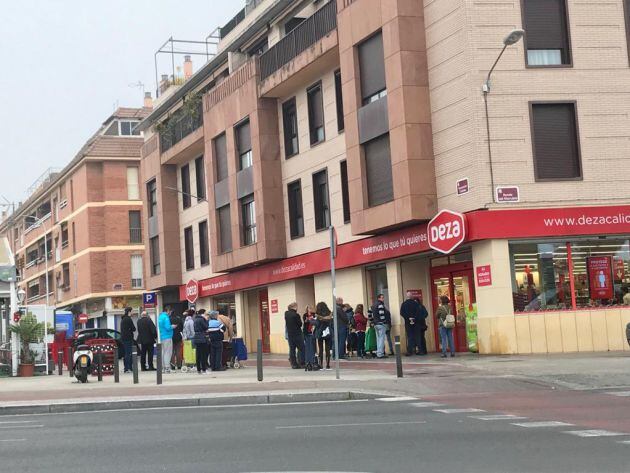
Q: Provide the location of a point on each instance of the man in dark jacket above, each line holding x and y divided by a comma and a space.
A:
410, 312
178, 345
127, 329
421, 341
342, 326
382, 319
293, 323
147, 335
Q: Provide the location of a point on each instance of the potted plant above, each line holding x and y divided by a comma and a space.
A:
30, 331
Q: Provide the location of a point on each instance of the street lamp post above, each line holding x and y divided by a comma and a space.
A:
513, 37
20, 297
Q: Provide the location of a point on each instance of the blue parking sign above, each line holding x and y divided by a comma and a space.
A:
149, 299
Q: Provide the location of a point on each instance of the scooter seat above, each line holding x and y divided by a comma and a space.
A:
83, 348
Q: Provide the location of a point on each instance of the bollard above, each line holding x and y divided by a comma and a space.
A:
70, 362
116, 366
60, 362
99, 366
158, 372
259, 359
134, 364
399, 370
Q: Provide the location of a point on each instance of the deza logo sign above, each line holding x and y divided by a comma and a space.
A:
446, 231
192, 291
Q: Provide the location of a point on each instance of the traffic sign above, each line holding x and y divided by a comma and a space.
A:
82, 318
446, 231
192, 291
149, 299
17, 316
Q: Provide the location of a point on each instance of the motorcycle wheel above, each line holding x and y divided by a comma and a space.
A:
83, 375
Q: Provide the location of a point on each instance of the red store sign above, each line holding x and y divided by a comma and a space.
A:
600, 277
274, 306
484, 275
192, 291
446, 231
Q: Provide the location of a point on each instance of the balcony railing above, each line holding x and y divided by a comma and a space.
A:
311, 30
240, 16
179, 127
135, 235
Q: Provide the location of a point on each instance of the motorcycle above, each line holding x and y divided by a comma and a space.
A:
82, 362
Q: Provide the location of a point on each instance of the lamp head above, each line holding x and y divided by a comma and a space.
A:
21, 295
513, 37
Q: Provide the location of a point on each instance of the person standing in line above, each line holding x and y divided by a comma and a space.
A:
410, 312
227, 336
147, 334
166, 339
178, 346
127, 329
382, 318
421, 329
351, 345
446, 322
293, 323
309, 326
216, 330
324, 333
342, 326
189, 325
360, 323
200, 341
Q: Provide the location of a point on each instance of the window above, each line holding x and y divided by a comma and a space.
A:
225, 229
547, 38
372, 69
128, 128
200, 179
290, 126
220, 157
292, 24
248, 219
320, 200
555, 141
74, 239
557, 275
135, 227
136, 271
345, 195
185, 176
154, 250
243, 145
339, 101
133, 188
315, 113
152, 198
204, 251
65, 278
33, 289
32, 255
259, 47
64, 234
189, 249
378, 170
62, 195
296, 212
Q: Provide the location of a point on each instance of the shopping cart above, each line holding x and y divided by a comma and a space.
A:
190, 357
239, 353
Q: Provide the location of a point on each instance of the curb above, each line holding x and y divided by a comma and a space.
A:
66, 406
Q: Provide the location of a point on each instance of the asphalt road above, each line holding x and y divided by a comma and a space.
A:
352, 436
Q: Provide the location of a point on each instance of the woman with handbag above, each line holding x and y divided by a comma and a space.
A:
324, 332
200, 341
446, 323
309, 326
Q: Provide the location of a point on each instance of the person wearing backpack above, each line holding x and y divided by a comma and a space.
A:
446, 323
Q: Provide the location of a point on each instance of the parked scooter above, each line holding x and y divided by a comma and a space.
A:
82, 361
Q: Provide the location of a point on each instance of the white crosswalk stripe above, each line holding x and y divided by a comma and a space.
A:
594, 433
619, 393
498, 417
426, 404
458, 411
397, 399
626, 442
545, 423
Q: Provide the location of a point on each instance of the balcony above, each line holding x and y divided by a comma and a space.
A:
179, 126
135, 235
311, 30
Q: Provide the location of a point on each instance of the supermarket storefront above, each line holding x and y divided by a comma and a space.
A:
519, 280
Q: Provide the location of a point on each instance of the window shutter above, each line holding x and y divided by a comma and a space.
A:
545, 23
204, 254
296, 220
220, 156
243, 139
556, 150
378, 167
372, 66
200, 178
225, 229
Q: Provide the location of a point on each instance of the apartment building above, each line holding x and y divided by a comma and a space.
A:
77, 239
378, 118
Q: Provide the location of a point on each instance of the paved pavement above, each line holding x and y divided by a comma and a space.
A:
404, 434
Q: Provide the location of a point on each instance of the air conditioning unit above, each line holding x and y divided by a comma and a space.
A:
117, 287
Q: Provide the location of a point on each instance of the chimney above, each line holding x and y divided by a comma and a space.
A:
188, 70
148, 101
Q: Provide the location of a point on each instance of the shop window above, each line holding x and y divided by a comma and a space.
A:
220, 157
200, 179
290, 127
378, 170
315, 113
296, 214
189, 250
372, 69
571, 275
185, 175
339, 101
555, 141
547, 39
244, 145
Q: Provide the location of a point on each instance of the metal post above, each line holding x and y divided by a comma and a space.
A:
60, 362
134, 364
47, 291
99, 366
399, 370
259, 359
70, 362
334, 294
116, 366
159, 364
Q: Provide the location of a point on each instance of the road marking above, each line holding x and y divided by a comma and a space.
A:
397, 399
18, 422
13, 440
627, 442
594, 433
426, 404
349, 425
546, 423
498, 417
620, 393
38, 426
458, 411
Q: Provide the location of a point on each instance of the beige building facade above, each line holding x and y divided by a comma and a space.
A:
369, 116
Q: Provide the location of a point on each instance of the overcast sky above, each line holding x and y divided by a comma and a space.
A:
66, 64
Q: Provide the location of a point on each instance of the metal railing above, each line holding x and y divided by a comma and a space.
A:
311, 30
135, 235
182, 126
